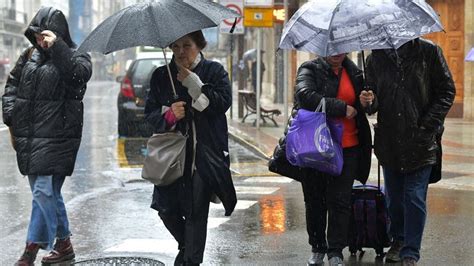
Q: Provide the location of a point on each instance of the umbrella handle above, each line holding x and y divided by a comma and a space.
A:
363, 65
175, 95
233, 26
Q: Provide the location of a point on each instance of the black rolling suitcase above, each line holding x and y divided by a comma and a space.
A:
369, 219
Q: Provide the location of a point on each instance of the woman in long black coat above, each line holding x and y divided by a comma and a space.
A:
203, 96
42, 106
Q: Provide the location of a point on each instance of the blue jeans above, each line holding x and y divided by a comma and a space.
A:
406, 201
48, 214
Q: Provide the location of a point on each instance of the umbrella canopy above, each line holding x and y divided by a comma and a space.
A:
157, 23
251, 55
470, 55
333, 27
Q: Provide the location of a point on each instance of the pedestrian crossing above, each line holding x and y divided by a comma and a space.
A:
246, 188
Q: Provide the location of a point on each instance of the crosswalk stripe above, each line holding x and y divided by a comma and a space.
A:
255, 190
166, 246
241, 205
268, 179
215, 222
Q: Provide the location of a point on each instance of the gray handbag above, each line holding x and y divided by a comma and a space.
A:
164, 162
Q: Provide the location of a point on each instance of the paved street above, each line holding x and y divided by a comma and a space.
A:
108, 202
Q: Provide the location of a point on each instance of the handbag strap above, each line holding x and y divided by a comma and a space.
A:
321, 106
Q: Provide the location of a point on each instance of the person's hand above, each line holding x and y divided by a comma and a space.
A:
182, 72
178, 110
351, 112
49, 38
366, 98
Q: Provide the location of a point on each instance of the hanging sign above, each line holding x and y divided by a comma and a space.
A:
258, 17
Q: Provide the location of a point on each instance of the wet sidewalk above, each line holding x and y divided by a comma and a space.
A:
458, 145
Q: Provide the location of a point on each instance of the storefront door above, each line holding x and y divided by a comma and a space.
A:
452, 42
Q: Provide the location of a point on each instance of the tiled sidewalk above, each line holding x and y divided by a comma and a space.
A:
458, 147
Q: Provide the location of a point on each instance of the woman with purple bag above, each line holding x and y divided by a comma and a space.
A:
338, 81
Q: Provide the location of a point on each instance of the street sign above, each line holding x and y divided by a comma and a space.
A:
226, 25
279, 14
259, 3
258, 17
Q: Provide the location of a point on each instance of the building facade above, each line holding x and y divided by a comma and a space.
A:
13, 19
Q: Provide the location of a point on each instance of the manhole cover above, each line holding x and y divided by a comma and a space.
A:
115, 261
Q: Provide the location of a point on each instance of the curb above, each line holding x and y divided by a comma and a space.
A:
249, 145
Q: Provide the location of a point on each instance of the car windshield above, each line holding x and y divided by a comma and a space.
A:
144, 67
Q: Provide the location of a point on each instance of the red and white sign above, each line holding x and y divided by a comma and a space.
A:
226, 25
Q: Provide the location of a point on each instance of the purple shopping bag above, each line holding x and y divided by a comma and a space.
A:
314, 141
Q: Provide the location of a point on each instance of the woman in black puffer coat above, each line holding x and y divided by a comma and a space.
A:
43, 108
328, 198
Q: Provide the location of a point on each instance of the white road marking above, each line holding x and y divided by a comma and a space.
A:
241, 205
268, 179
3, 128
215, 222
166, 246
255, 190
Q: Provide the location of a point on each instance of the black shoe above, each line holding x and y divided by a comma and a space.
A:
393, 254
409, 262
316, 259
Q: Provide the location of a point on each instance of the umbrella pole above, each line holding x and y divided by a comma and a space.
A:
363, 65
169, 73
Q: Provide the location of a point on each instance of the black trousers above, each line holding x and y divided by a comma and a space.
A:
328, 205
184, 208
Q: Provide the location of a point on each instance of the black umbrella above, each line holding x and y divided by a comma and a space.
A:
157, 23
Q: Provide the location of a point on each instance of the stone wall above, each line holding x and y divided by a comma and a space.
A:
469, 66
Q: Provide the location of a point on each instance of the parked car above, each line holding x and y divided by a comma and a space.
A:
134, 87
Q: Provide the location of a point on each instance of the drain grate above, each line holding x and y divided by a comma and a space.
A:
116, 261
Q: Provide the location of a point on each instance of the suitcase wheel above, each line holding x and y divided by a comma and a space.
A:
379, 252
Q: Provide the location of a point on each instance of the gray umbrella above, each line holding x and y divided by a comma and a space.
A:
157, 23
251, 55
339, 26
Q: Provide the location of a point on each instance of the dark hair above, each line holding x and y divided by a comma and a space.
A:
198, 39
